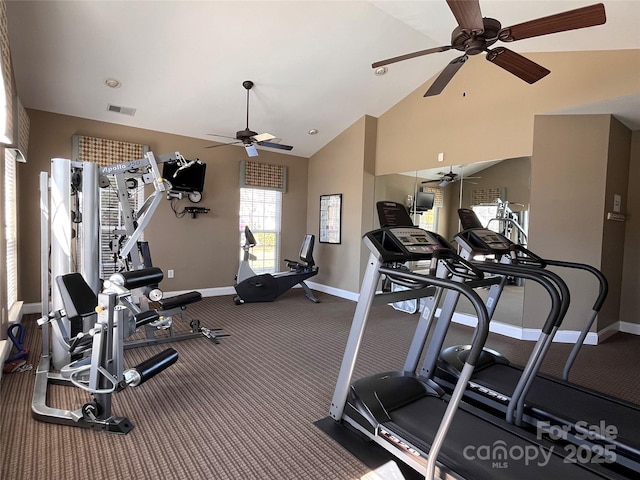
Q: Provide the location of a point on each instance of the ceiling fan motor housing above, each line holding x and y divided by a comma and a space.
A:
475, 44
245, 135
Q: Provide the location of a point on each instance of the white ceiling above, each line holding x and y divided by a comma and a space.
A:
182, 63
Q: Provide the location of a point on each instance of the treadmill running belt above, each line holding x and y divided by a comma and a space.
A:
567, 402
476, 448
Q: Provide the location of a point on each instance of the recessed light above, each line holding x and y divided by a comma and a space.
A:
112, 83
313, 131
381, 71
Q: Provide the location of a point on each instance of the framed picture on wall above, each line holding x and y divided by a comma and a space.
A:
330, 218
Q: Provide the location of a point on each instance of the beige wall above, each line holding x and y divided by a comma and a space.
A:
630, 299
577, 162
613, 235
487, 114
344, 166
204, 252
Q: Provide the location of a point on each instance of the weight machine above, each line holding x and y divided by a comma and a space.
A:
101, 374
508, 220
83, 319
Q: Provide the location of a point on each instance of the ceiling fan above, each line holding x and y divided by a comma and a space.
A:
474, 34
448, 177
250, 138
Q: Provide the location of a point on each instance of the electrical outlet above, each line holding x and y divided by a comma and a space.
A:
170, 273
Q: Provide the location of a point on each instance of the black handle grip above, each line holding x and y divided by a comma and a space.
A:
524, 256
143, 318
154, 365
458, 266
138, 278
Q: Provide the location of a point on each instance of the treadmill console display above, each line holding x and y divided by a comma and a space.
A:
491, 240
415, 240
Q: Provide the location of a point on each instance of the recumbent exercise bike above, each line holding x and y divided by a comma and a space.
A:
267, 287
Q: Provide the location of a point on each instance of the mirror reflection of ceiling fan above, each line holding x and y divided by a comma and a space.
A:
250, 138
448, 177
474, 34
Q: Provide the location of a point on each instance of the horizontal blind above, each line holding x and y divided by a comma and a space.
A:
261, 211
11, 227
106, 152
6, 129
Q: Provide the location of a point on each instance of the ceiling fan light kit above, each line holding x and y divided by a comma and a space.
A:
248, 137
475, 34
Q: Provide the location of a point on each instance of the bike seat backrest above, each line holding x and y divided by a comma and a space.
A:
78, 299
250, 240
306, 250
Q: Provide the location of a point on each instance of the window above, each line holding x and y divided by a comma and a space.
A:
11, 226
261, 211
428, 220
112, 228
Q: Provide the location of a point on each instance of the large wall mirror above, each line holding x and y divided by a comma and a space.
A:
497, 190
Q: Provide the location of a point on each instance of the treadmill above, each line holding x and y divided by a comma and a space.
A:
594, 426
410, 415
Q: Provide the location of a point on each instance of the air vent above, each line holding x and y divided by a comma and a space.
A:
123, 110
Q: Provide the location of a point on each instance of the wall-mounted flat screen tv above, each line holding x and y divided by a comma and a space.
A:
185, 176
424, 201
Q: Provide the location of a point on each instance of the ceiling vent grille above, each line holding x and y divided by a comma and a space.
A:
123, 110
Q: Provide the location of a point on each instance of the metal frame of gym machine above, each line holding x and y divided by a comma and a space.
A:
108, 331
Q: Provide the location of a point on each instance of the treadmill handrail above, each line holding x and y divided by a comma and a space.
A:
515, 408
477, 344
482, 330
541, 276
603, 290
603, 284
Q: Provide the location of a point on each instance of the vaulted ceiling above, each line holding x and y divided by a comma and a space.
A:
181, 64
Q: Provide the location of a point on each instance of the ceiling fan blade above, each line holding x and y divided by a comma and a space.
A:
561, 22
222, 145
252, 151
263, 137
275, 145
468, 15
221, 136
445, 76
430, 181
516, 64
411, 55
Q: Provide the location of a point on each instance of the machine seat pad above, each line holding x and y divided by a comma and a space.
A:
180, 300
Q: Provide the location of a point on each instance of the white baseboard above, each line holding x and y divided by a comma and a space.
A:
528, 334
29, 308
628, 327
336, 292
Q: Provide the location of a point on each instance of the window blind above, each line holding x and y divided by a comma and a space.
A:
11, 227
487, 195
263, 175
6, 95
105, 152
